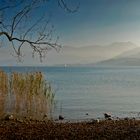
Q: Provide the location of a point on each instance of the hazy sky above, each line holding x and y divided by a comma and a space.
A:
96, 22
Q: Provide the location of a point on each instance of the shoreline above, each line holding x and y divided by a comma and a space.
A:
51, 130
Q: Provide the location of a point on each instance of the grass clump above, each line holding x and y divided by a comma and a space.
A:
25, 94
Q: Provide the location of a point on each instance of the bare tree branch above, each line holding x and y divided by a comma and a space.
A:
11, 6
63, 5
19, 35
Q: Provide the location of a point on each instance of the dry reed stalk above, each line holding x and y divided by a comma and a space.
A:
3, 91
32, 95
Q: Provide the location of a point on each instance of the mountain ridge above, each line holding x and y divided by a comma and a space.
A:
128, 58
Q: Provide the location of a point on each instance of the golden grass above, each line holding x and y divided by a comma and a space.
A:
25, 94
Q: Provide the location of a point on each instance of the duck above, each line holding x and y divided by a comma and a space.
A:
107, 116
61, 117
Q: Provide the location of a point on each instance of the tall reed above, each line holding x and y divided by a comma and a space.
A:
25, 94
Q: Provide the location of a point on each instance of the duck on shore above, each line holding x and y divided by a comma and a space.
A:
61, 117
107, 116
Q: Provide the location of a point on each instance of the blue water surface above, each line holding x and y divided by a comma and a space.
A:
92, 90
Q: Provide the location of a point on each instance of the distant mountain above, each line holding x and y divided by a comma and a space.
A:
72, 56
88, 54
128, 58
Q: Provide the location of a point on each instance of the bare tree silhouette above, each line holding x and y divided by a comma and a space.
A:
18, 25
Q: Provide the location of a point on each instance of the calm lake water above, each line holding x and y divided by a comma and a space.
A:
92, 90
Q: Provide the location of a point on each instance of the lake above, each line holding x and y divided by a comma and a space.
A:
88, 92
